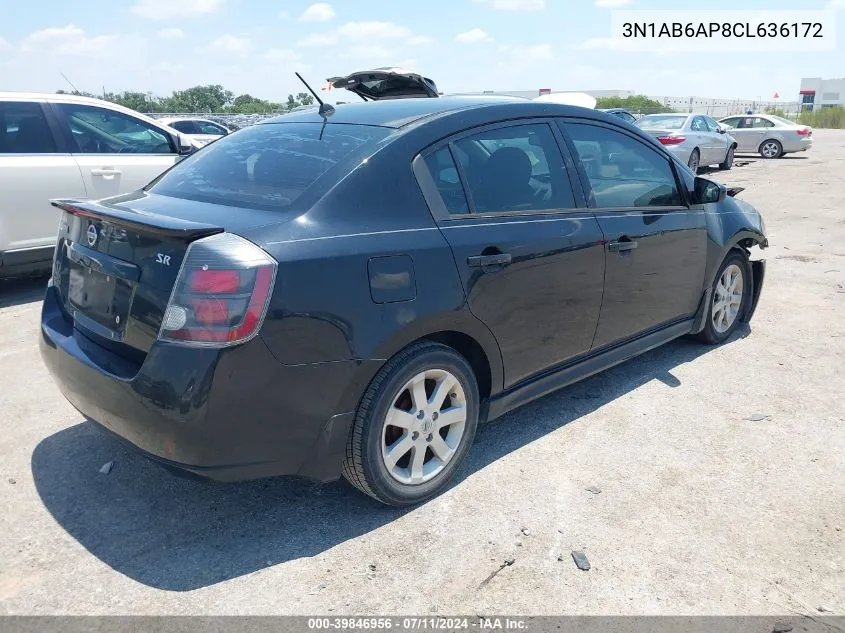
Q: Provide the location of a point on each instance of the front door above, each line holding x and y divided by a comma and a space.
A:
117, 153
530, 259
655, 245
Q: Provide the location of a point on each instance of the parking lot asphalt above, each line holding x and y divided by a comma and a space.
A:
715, 478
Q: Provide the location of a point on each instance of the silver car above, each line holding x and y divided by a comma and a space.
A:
769, 135
694, 139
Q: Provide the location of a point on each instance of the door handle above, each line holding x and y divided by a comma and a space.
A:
484, 261
105, 171
621, 246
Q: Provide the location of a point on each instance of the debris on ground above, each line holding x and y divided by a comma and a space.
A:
594, 489
581, 561
12, 481
106, 468
507, 563
759, 417
526, 532
824, 609
781, 627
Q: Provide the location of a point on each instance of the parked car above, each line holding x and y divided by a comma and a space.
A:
770, 136
354, 294
203, 131
59, 145
622, 113
695, 139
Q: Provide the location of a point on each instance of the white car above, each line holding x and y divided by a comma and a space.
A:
769, 135
201, 130
65, 146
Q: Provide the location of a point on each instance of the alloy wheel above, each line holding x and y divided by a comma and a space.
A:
727, 299
770, 149
424, 427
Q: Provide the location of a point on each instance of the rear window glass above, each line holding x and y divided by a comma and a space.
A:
269, 166
661, 122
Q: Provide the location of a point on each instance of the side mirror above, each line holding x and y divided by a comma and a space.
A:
722, 130
185, 146
708, 192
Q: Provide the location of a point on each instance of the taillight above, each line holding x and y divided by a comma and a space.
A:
221, 294
803, 132
671, 140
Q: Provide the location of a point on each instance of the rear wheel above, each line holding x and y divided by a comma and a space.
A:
729, 299
729, 160
414, 425
771, 149
694, 161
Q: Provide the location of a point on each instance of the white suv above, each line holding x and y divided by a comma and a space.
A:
64, 146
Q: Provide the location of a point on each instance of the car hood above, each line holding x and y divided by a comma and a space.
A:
386, 83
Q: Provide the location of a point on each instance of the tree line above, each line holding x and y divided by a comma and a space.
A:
211, 99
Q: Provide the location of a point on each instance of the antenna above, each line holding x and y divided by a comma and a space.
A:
69, 83
326, 110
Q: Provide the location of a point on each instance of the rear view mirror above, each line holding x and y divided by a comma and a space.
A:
708, 192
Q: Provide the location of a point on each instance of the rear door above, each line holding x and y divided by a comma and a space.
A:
706, 140
34, 167
655, 244
116, 152
751, 131
528, 252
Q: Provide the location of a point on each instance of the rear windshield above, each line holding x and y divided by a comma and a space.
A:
672, 122
270, 166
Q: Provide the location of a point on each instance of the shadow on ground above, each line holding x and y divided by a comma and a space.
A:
178, 534
22, 290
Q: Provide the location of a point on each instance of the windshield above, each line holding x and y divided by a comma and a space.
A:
661, 122
269, 166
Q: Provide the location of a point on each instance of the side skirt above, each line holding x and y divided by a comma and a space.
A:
545, 384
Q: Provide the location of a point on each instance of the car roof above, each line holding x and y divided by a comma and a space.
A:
397, 113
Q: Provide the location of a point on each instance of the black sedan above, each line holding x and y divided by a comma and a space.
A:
353, 294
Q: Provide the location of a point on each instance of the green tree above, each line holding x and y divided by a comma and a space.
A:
639, 104
210, 98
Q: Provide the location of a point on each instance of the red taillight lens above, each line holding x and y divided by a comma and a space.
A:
222, 293
671, 140
803, 132
215, 281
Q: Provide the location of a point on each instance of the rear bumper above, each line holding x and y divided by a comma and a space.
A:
228, 415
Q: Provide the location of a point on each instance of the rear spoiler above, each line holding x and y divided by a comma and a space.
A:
139, 220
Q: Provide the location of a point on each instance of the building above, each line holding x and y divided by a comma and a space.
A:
822, 93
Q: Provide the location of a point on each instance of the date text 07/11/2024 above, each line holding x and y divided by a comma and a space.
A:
479, 623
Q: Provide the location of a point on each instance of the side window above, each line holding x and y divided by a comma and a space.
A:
24, 129
186, 127
758, 122
515, 168
746, 123
699, 125
732, 122
207, 127
102, 131
623, 172
443, 171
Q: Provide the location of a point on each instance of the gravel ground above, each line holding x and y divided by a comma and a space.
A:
716, 479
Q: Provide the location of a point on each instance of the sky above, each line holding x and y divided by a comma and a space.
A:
254, 46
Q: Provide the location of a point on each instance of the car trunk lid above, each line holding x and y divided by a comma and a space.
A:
386, 83
116, 262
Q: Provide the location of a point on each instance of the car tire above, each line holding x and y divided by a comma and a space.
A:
728, 303
729, 160
694, 162
771, 149
382, 458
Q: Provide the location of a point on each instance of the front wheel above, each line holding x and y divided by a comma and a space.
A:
731, 293
729, 160
771, 149
414, 425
